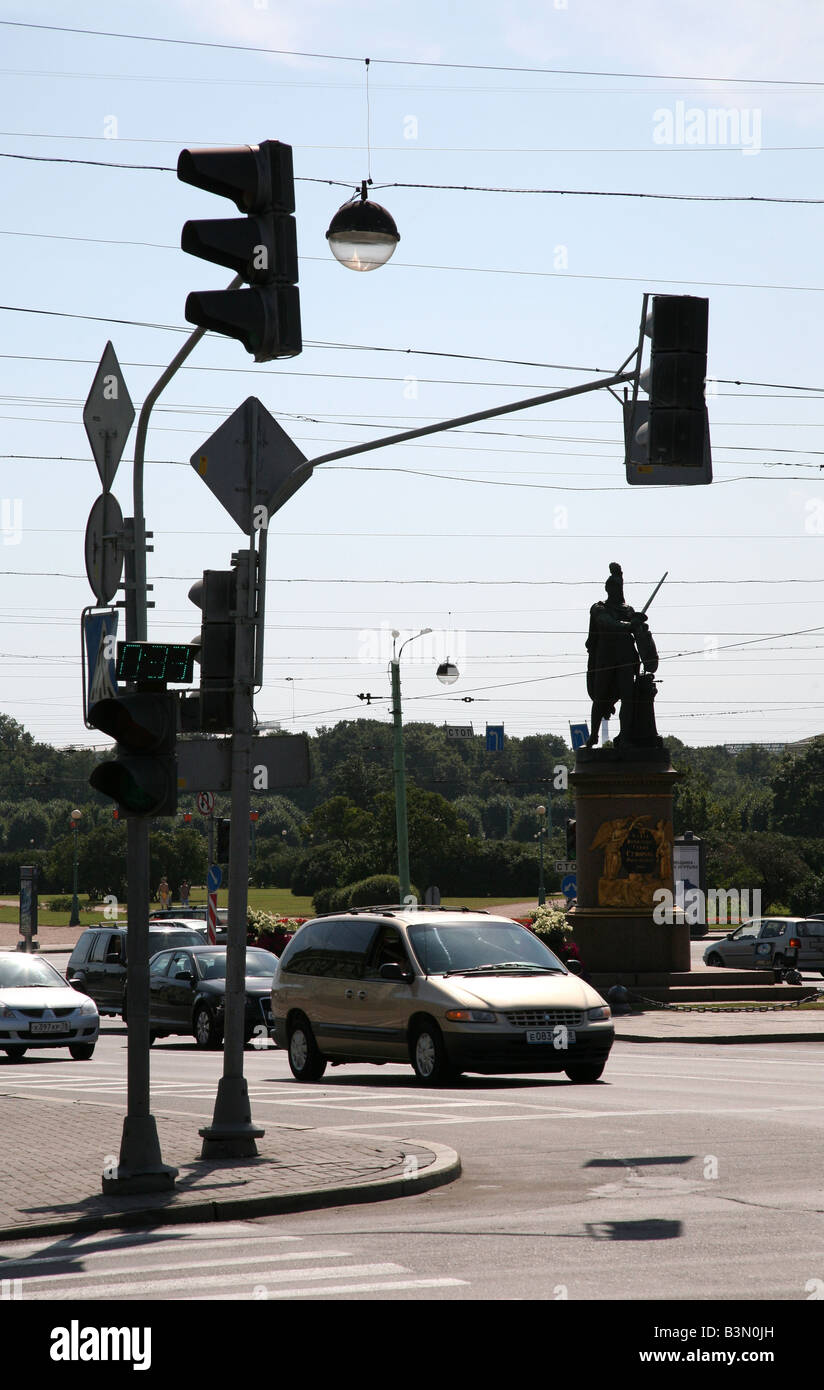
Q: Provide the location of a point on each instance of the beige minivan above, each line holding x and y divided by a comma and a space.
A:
447, 990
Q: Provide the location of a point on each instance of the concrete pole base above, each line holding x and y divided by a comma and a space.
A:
231, 1133
141, 1168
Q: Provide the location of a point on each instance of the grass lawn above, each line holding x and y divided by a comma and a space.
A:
279, 900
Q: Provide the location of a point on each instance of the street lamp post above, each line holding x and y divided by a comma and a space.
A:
541, 834
398, 764
74, 920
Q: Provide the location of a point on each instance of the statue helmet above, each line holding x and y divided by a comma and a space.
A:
615, 584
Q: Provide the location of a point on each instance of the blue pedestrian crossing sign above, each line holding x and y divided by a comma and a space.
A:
578, 733
569, 885
494, 738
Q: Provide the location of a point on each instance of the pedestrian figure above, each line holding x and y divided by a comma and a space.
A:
164, 893
184, 894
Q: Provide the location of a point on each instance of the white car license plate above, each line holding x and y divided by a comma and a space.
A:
50, 1028
561, 1036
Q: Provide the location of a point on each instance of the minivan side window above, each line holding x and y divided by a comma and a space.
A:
335, 949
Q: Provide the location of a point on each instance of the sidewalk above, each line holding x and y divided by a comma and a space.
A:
704, 1024
52, 1155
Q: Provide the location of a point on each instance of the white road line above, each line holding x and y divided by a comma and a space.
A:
275, 1276
330, 1290
52, 1280
550, 1114
125, 1244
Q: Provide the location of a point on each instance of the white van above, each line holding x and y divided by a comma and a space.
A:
447, 990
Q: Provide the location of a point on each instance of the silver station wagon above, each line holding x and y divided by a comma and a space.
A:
446, 990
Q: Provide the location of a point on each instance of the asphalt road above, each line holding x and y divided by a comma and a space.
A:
688, 1172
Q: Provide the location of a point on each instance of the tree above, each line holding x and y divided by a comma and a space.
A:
436, 832
798, 792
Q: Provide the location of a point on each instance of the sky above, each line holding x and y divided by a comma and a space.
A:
493, 135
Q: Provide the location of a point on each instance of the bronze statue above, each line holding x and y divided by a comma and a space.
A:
619, 644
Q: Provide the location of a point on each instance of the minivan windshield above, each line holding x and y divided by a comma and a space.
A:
474, 948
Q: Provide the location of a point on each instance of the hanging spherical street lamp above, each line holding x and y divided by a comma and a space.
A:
362, 234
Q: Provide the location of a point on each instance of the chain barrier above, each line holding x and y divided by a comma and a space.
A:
729, 1008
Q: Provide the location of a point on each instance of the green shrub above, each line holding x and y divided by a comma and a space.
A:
60, 904
379, 888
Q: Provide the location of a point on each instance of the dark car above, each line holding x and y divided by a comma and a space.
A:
187, 993
97, 965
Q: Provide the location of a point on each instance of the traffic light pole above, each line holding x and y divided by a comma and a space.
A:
232, 1133
141, 1167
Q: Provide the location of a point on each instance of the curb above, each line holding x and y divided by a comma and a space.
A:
742, 1038
446, 1168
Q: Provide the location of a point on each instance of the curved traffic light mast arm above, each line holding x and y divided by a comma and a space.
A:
304, 470
139, 620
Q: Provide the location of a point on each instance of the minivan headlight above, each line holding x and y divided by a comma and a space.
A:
88, 1007
471, 1016
603, 1011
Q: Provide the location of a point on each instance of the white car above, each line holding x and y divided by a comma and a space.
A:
38, 1009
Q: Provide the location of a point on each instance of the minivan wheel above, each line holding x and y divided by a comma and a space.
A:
15, 1054
305, 1060
714, 959
585, 1073
81, 1052
427, 1053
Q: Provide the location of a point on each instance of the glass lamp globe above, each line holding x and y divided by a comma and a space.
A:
447, 673
362, 234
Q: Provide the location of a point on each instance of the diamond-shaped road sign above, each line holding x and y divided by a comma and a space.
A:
250, 443
108, 416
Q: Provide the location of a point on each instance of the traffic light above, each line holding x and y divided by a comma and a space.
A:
215, 594
667, 436
570, 839
261, 247
678, 369
223, 828
142, 778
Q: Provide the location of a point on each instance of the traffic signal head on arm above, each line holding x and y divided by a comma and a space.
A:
678, 369
260, 247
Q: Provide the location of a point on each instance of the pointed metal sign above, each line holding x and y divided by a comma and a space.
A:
247, 462
108, 416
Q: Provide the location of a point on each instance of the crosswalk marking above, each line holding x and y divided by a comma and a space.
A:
185, 1264
168, 1265
384, 1286
143, 1288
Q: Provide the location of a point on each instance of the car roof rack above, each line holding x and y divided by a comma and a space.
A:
391, 908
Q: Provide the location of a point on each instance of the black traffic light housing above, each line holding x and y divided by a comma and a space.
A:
260, 247
570, 839
223, 831
215, 594
678, 369
142, 778
667, 436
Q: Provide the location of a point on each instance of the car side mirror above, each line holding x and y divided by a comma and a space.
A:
392, 971
185, 975
574, 967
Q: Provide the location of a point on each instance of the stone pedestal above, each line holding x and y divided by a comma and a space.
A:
623, 814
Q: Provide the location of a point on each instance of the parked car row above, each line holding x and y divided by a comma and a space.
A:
445, 991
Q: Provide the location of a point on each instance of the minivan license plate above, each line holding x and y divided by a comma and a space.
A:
560, 1035
49, 1028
